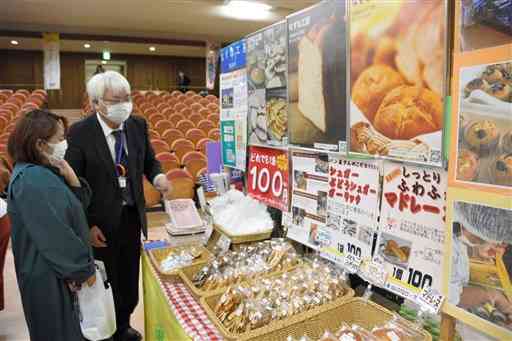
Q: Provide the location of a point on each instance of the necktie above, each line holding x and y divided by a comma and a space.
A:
122, 158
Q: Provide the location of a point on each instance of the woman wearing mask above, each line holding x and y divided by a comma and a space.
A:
50, 235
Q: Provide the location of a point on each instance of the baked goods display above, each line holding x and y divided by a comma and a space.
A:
481, 136
501, 170
235, 267
277, 117
506, 142
495, 80
249, 306
397, 79
467, 165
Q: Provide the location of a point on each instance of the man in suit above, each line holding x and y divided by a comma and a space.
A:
111, 150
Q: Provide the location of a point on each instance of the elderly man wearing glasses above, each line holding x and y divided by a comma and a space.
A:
111, 150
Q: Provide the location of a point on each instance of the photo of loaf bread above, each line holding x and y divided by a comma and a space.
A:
317, 75
485, 124
397, 83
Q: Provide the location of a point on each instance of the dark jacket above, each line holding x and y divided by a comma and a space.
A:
90, 157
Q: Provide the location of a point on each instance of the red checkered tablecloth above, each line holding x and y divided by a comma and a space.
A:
189, 313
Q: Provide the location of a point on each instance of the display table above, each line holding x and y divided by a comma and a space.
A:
170, 310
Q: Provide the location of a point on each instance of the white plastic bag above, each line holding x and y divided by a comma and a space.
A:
97, 311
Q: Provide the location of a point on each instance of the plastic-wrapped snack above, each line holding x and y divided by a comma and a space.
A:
395, 331
346, 333
328, 336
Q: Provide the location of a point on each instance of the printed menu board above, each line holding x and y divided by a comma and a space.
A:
233, 116
412, 228
267, 176
479, 244
266, 76
397, 79
352, 208
317, 77
309, 199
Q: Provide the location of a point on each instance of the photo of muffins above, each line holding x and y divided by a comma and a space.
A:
494, 79
501, 170
506, 142
467, 165
397, 68
481, 136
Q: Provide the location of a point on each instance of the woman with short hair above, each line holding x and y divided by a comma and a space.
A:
50, 234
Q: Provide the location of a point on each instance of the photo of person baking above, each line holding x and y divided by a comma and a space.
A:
482, 262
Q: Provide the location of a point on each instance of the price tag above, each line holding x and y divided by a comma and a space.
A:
223, 243
430, 300
375, 273
352, 263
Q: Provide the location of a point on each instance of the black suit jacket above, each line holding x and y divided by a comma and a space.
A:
89, 155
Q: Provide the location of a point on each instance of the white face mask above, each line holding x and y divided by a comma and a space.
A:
118, 113
59, 149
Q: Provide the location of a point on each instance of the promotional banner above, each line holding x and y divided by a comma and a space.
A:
317, 76
51, 51
212, 56
478, 284
398, 65
352, 208
268, 176
233, 116
310, 173
412, 228
266, 70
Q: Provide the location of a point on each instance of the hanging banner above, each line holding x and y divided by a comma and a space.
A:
412, 228
352, 208
317, 77
51, 52
310, 173
233, 116
212, 56
478, 284
398, 66
268, 176
267, 69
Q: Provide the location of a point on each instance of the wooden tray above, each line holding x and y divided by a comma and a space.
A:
158, 255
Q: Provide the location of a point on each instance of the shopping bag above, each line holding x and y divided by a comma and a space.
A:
96, 303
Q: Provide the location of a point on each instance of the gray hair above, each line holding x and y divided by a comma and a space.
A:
107, 80
489, 223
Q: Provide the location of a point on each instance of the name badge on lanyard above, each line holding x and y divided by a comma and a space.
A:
122, 181
121, 170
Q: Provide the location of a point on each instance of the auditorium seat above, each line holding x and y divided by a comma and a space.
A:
185, 125
194, 135
206, 126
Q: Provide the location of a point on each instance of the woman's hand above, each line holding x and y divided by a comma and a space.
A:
66, 171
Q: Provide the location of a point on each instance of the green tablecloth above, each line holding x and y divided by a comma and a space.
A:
160, 322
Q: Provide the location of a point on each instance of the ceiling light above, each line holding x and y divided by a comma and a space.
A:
14, 42
246, 10
87, 46
152, 48
103, 62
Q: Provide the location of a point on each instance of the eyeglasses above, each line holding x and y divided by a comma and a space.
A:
116, 101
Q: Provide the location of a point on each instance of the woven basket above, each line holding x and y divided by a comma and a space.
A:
158, 255
244, 239
268, 331
358, 311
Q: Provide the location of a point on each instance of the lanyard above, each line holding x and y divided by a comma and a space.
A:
120, 169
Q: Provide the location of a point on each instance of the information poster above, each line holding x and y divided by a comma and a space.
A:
267, 176
398, 53
352, 208
233, 117
266, 70
212, 57
310, 173
412, 228
478, 286
51, 50
317, 76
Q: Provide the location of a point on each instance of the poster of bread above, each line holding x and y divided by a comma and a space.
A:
478, 284
317, 76
412, 228
484, 144
268, 103
397, 79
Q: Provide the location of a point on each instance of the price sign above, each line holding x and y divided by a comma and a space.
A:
430, 300
223, 243
374, 273
352, 263
268, 176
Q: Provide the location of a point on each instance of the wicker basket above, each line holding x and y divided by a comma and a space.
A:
267, 332
244, 239
358, 311
158, 255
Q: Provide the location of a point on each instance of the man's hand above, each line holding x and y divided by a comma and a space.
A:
97, 237
162, 185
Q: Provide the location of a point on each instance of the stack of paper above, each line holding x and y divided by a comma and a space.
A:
184, 218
